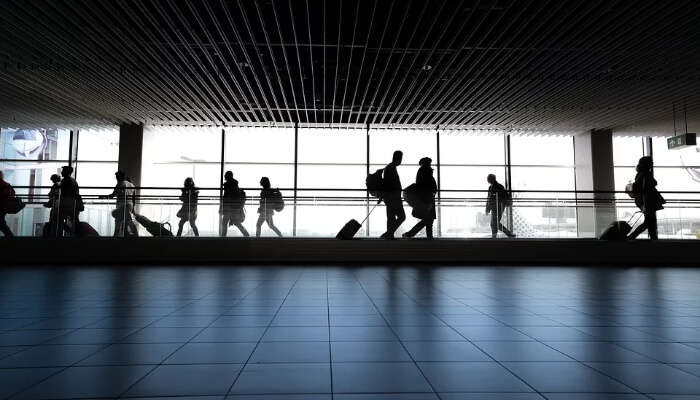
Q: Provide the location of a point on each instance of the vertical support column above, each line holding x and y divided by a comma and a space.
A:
649, 150
593, 159
130, 151
366, 174
508, 177
439, 186
221, 178
296, 168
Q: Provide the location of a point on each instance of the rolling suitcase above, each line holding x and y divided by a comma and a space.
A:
618, 230
83, 229
351, 227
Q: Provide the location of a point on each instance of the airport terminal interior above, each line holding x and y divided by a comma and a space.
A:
369, 199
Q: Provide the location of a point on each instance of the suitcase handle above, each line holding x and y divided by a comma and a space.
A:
370, 212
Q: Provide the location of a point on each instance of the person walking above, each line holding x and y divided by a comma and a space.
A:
266, 209
70, 202
124, 192
425, 190
53, 205
188, 211
7, 193
391, 194
497, 201
232, 210
647, 198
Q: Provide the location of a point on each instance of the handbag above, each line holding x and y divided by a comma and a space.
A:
14, 205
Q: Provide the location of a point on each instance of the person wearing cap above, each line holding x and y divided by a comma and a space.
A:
124, 192
426, 188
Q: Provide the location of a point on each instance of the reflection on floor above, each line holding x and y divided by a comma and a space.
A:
350, 333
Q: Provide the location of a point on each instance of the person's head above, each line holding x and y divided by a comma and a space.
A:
491, 179
397, 157
228, 176
120, 175
55, 178
645, 164
189, 182
66, 171
425, 162
265, 182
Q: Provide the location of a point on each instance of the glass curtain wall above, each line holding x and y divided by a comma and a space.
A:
28, 157
254, 152
540, 162
677, 170
415, 144
329, 160
466, 158
172, 154
627, 150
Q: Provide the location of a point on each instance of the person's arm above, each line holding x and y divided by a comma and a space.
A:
112, 195
488, 201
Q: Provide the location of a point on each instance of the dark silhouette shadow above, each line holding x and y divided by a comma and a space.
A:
496, 202
188, 211
391, 194
70, 204
647, 198
51, 227
232, 206
421, 197
270, 201
7, 193
125, 194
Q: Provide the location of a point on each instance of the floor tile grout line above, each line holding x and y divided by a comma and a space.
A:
102, 347
535, 339
158, 365
240, 372
374, 304
330, 348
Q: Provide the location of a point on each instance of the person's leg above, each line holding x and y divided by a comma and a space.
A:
272, 226
650, 219
194, 226
4, 228
180, 225
258, 225
389, 215
241, 228
223, 225
494, 223
502, 227
429, 228
395, 215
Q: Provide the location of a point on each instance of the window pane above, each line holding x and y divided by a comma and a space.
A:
459, 147
34, 144
529, 150
679, 157
98, 144
95, 174
414, 143
253, 145
627, 150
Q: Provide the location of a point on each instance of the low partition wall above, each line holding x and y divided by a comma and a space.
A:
199, 251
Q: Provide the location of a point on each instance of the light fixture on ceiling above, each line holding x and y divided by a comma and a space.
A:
426, 67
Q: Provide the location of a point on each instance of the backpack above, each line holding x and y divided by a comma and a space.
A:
507, 198
276, 201
375, 183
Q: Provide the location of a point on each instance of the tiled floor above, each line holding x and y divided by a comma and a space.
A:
350, 333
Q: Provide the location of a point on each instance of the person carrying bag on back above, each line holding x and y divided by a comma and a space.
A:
424, 192
391, 195
270, 200
647, 198
232, 210
496, 202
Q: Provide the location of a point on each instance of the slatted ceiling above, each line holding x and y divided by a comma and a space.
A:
519, 65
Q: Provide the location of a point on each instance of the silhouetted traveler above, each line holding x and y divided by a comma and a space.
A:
232, 210
70, 202
188, 212
647, 198
124, 192
53, 204
266, 209
391, 194
425, 190
7, 193
497, 201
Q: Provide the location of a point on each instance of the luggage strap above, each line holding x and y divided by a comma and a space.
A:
370, 211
